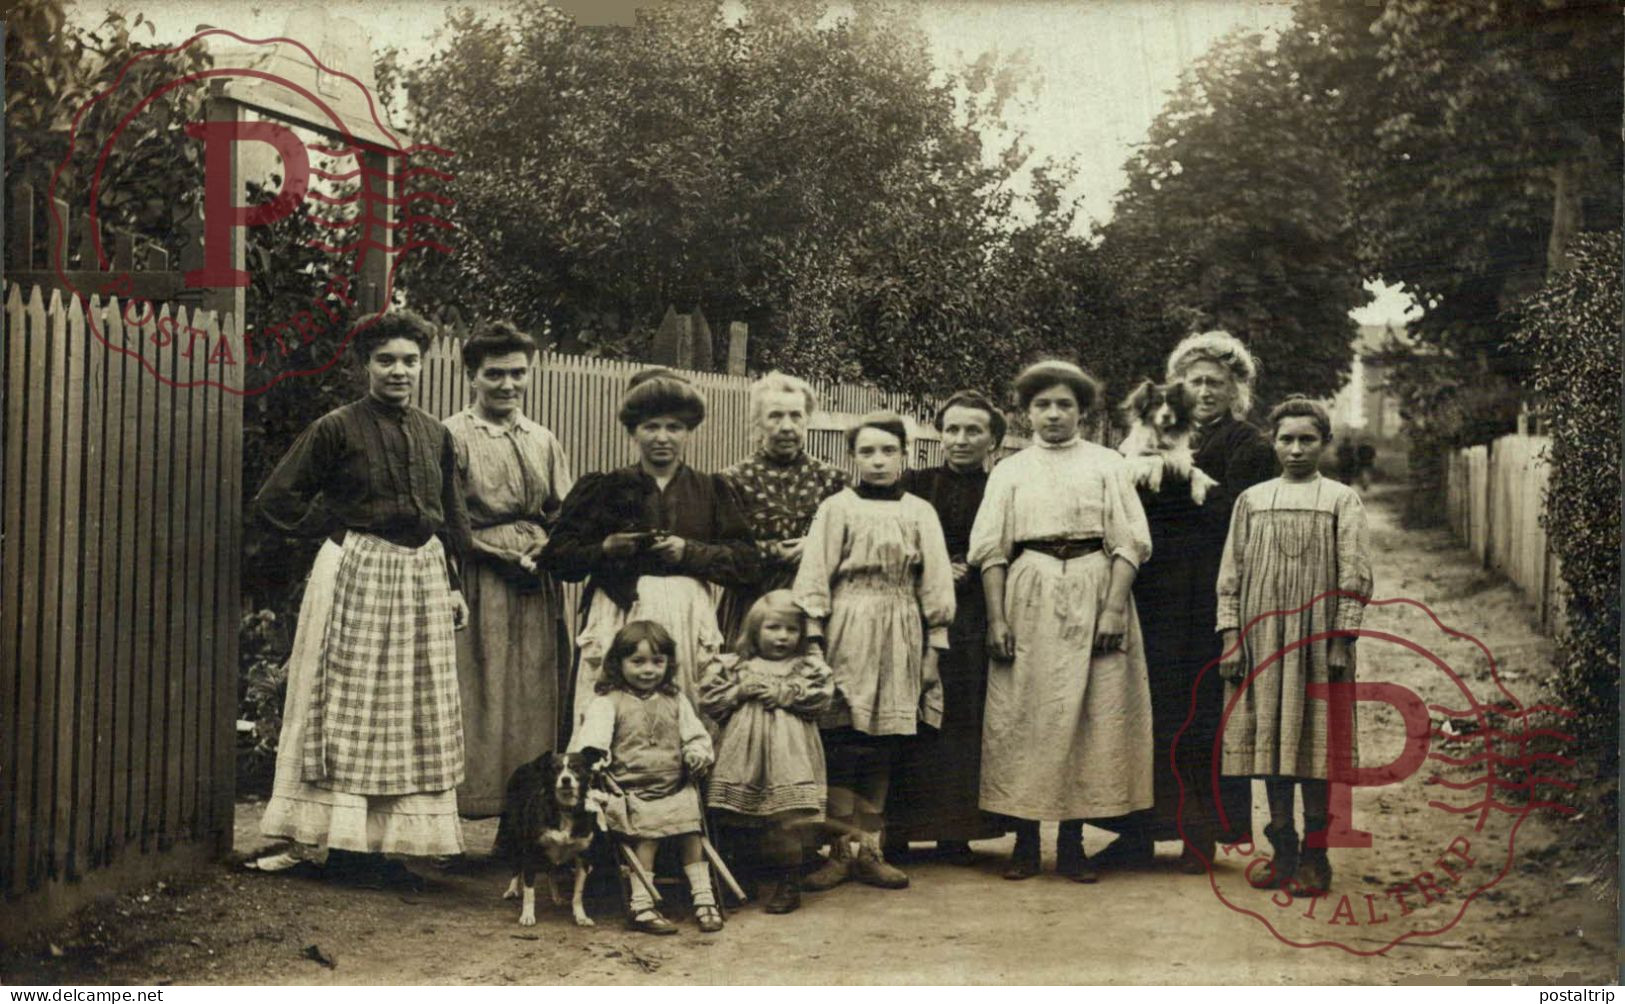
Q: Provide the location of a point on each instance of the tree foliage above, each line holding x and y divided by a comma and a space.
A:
1572, 331
1235, 215
806, 171
53, 71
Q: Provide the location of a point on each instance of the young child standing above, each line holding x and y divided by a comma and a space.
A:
878, 590
1293, 540
770, 762
657, 750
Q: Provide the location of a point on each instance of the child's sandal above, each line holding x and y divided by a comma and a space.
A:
708, 917
651, 922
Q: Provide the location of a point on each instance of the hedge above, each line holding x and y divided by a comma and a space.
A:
1572, 330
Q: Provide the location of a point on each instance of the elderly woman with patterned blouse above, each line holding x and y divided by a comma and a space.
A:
1059, 538
779, 488
371, 749
509, 661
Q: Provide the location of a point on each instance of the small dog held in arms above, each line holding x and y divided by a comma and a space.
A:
1159, 420
550, 816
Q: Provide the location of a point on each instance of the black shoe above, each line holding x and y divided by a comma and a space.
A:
1283, 867
786, 896
1129, 851
1024, 860
1313, 876
651, 922
1071, 861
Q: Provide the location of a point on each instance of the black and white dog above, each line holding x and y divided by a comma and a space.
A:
1159, 421
549, 820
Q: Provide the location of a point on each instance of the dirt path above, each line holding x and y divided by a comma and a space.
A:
1543, 922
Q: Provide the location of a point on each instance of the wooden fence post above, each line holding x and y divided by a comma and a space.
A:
738, 341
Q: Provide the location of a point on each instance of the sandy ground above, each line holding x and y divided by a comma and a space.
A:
1550, 918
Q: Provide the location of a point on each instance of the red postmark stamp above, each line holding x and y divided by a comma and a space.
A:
368, 204
1423, 819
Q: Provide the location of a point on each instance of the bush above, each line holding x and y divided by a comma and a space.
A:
1572, 331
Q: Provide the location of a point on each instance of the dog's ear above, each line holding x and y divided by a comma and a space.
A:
1135, 403
592, 757
549, 763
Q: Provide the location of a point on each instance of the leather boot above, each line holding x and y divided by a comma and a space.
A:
871, 868
1024, 859
1313, 876
833, 871
1070, 860
786, 897
1284, 865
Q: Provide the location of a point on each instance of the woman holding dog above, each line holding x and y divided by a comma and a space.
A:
1176, 597
648, 537
371, 749
1059, 538
515, 476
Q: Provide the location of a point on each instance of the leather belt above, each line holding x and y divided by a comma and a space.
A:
1065, 550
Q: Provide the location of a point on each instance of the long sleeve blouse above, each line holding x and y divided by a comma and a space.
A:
804, 687
700, 508
1068, 491
888, 540
372, 468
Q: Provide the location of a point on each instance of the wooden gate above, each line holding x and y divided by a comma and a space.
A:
119, 602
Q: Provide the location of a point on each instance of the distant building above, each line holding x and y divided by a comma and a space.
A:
1363, 409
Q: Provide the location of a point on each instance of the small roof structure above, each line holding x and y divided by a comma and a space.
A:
341, 49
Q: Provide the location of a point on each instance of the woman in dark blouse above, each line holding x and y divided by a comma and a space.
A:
1177, 599
371, 749
936, 784
647, 538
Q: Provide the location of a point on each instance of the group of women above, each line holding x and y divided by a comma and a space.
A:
1010, 645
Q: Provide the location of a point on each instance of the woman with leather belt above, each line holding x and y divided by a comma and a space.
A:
1059, 538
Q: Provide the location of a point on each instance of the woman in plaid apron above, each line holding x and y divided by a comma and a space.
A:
371, 750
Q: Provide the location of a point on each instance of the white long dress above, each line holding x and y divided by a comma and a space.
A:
1066, 733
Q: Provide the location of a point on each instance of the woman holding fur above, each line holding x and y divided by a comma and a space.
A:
878, 591
1059, 538
770, 762
649, 537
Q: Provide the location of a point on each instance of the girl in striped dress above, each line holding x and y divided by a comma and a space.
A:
1296, 566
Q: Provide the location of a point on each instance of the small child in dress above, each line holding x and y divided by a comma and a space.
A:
657, 749
1297, 565
770, 761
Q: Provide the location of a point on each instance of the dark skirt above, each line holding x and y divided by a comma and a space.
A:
1175, 596
936, 783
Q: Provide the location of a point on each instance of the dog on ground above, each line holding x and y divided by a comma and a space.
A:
549, 820
1159, 421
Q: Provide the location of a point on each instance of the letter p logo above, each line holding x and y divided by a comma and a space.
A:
1344, 776
221, 214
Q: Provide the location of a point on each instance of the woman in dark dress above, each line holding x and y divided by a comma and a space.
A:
649, 537
936, 783
1175, 594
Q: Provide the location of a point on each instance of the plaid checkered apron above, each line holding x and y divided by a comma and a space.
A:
384, 714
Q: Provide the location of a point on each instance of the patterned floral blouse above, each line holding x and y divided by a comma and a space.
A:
779, 498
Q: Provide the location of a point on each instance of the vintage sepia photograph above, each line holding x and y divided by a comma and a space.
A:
810, 493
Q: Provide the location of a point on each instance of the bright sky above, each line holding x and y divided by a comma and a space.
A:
1101, 68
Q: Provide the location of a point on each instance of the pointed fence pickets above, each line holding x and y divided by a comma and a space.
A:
119, 597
